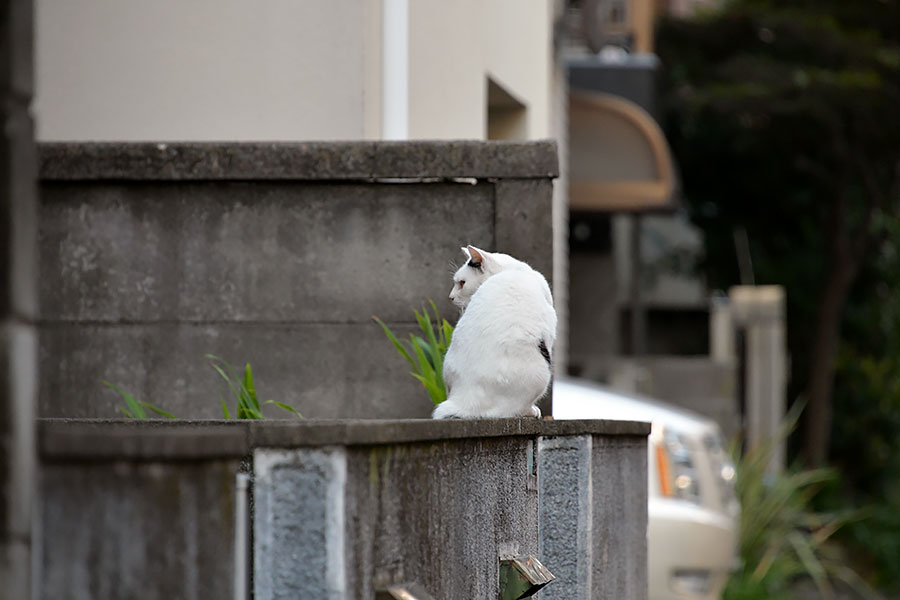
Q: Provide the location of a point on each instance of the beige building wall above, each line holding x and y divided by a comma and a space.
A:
456, 46
281, 69
202, 69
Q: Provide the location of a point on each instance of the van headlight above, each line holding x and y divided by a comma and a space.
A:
722, 467
677, 477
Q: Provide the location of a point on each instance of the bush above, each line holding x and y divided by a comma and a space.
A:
784, 540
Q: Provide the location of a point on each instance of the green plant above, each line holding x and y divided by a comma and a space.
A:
783, 539
134, 408
425, 355
244, 391
242, 388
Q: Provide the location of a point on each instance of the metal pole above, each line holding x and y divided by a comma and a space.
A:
638, 318
395, 70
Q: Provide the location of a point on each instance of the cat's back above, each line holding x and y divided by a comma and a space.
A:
515, 290
510, 302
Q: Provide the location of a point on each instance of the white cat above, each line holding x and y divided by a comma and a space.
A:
498, 363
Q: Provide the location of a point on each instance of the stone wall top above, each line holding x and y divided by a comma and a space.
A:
305, 161
87, 439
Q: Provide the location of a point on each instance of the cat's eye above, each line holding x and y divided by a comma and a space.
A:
462, 282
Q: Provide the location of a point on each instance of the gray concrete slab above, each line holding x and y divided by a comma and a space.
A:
566, 513
65, 440
439, 514
263, 252
322, 370
138, 530
619, 521
276, 254
342, 507
524, 221
307, 161
298, 524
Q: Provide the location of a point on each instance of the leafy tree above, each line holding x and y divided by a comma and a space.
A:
785, 120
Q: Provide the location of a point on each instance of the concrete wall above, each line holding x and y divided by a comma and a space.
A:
276, 255
283, 70
18, 301
342, 508
138, 529
582, 480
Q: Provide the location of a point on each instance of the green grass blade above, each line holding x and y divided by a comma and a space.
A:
157, 410
429, 326
811, 564
447, 331
397, 344
253, 414
436, 354
286, 407
436, 394
224, 408
234, 389
435, 361
425, 368
427, 350
248, 387
137, 411
125, 412
219, 359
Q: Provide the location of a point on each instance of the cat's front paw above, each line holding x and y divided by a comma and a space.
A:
445, 410
535, 412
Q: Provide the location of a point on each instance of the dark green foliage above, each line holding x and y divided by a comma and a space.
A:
784, 538
784, 118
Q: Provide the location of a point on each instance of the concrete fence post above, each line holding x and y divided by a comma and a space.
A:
18, 301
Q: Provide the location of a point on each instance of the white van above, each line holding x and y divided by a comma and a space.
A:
692, 510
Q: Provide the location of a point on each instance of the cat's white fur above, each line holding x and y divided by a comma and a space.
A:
494, 366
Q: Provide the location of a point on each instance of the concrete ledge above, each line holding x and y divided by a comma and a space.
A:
100, 439
327, 161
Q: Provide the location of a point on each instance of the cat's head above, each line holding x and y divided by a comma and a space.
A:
479, 266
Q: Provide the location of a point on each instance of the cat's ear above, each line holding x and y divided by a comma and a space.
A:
476, 257
466, 252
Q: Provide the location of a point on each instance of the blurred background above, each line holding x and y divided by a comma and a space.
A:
725, 223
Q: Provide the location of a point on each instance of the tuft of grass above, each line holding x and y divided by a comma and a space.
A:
244, 391
783, 539
135, 409
425, 354
242, 388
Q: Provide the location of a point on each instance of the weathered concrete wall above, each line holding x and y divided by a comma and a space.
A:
566, 489
593, 515
274, 254
18, 300
438, 514
156, 530
619, 521
342, 508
